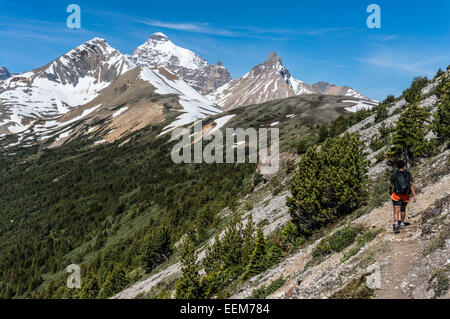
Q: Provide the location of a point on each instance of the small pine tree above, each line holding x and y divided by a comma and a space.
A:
248, 240
329, 182
257, 261
413, 93
382, 113
188, 286
389, 99
156, 248
115, 282
323, 133
439, 73
441, 124
89, 288
408, 141
302, 146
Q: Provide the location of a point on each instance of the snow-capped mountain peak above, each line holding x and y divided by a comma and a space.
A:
69, 81
4, 73
160, 51
267, 81
271, 80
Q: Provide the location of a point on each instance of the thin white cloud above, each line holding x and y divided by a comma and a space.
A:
38, 30
241, 31
205, 28
412, 61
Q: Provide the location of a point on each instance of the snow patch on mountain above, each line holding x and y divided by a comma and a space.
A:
360, 105
159, 51
70, 81
195, 106
4, 73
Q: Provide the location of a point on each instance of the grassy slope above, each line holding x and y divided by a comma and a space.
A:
54, 204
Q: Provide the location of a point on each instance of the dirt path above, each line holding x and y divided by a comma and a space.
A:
396, 266
403, 250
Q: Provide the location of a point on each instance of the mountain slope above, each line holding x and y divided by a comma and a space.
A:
331, 89
4, 73
137, 99
72, 80
301, 273
159, 51
269, 81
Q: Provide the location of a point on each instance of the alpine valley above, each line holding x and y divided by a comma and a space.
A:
86, 178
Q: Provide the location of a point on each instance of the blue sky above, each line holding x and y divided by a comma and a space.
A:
317, 40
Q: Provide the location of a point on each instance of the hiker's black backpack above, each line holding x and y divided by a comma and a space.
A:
402, 183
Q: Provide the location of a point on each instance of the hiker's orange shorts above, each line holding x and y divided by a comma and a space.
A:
400, 199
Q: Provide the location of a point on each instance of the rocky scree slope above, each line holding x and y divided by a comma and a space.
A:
414, 272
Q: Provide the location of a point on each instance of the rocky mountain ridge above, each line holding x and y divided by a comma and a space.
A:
70, 81
160, 51
4, 73
271, 80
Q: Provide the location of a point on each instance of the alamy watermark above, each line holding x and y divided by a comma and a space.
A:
74, 279
250, 143
74, 20
374, 20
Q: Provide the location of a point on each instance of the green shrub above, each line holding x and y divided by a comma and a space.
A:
344, 238
441, 124
329, 182
355, 289
377, 143
408, 141
439, 282
380, 157
389, 99
360, 243
248, 205
382, 113
265, 291
413, 93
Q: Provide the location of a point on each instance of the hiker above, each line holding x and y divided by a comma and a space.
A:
401, 188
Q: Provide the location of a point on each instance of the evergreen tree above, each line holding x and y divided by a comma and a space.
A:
89, 287
188, 286
156, 248
389, 99
115, 282
323, 133
329, 182
413, 93
248, 241
382, 113
441, 124
257, 261
408, 141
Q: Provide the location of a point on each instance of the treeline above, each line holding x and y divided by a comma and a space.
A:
241, 253
75, 199
330, 182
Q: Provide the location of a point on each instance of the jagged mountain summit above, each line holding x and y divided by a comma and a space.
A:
269, 81
96, 92
90, 83
139, 98
70, 81
159, 51
4, 73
